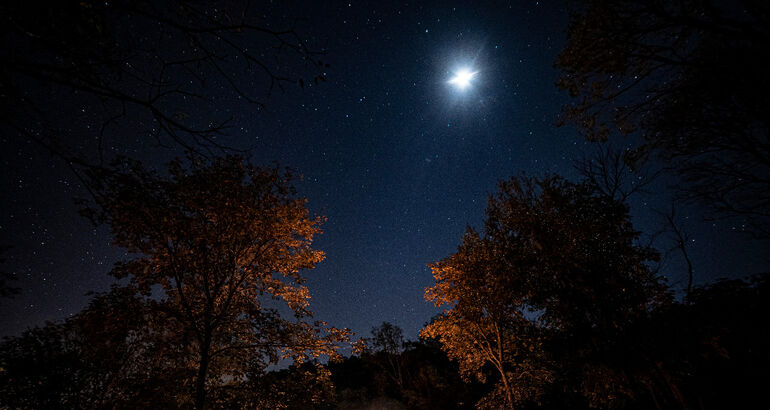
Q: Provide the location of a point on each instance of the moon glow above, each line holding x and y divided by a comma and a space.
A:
462, 78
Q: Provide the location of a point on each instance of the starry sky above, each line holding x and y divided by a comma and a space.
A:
397, 159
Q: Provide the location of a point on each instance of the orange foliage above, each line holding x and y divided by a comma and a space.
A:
226, 242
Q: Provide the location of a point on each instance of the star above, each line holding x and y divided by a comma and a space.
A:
462, 78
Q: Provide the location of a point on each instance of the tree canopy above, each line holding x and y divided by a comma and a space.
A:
219, 247
144, 66
685, 77
554, 277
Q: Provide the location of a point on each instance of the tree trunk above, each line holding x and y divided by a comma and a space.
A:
508, 393
200, 383
652, 394
672, 386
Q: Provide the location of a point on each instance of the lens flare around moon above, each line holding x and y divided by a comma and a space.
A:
462, 78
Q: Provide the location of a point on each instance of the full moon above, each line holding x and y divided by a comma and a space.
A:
462, 78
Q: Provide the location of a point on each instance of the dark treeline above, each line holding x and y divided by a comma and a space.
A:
709, 353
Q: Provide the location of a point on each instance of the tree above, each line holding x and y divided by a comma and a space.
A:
684, 77
704, 353
139, 65
387, 338
220, 246
511, 345
385, 349
34, 371
607, 169
301, 386
680, 240
393, 373
103, 357
544, 290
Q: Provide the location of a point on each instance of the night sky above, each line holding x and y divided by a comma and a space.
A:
398, 160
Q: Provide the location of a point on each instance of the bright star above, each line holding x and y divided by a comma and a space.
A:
462, 78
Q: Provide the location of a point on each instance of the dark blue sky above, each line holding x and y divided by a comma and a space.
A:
398, 160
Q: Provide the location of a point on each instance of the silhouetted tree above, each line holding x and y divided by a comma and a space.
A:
104, 357
385, 347
434, 380
724, 364
215, 242
394, 373
353, 379
301, 386
140, 65
40, 369
35, 371
705, 353
387, 338
544, 291
607, 168
677, 233
685, 77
